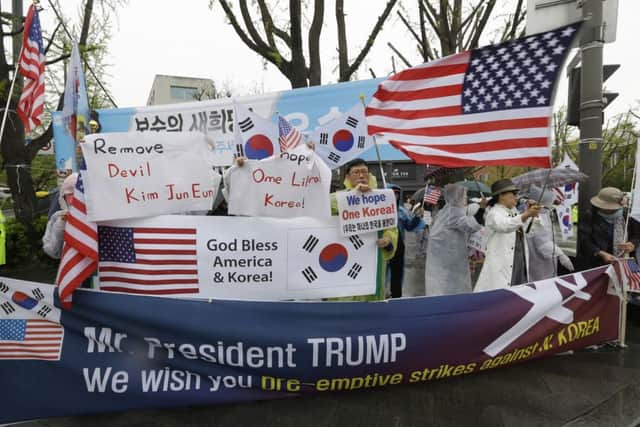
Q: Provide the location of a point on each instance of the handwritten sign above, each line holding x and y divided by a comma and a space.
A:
478, 240
366, 212
131, 175
295, 183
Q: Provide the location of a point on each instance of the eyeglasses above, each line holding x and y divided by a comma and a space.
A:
359, 172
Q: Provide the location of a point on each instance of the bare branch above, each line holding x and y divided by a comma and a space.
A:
478, 30
315, 65
409, 27
393, 48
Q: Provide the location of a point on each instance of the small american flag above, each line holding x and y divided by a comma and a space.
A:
30, 339
290, 137
632, 271
79, 257
487, 106
31, 65
431, 194
143, 260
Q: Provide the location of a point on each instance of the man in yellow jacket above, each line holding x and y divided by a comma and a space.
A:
358, 178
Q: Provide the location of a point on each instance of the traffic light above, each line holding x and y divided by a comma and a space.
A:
573, 103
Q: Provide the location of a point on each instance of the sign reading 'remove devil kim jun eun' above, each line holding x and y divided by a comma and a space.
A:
131, 175
235, 257
366, 212
116, 352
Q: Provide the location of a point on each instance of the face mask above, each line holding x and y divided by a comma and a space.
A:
611, 218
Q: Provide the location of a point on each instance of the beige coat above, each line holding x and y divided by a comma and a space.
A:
502, 224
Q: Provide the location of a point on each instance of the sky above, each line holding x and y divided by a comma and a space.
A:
187, 38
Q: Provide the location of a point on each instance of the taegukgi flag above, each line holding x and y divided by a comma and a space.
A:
344, 138
324, 258
256, 137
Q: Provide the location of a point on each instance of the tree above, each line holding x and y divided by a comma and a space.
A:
269, 38
457, 25
16, 154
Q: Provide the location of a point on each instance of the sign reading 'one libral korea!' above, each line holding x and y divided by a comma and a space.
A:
295, 183
366, 212
131, 175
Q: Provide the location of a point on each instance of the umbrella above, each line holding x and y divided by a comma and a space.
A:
549, 178
475, 188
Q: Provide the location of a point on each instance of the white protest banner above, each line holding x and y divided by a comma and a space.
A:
295, 183
235, 257
366, 212
133, 175
478, 240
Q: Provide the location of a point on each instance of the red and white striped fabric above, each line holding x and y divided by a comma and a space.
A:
488, 106
31, 66
289, 136
431, 195
80, 250
558, 192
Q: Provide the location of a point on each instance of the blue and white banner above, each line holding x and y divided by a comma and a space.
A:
305, 108
123, 352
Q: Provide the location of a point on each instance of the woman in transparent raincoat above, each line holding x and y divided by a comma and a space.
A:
447, 266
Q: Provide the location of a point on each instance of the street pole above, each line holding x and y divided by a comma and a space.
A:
591, 105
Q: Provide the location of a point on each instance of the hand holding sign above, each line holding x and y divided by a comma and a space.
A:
366, 212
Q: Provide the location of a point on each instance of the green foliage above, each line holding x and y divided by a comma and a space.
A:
24, 245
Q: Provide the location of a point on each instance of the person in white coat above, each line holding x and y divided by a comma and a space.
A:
447, 264
53, 238
544, 253
506, 261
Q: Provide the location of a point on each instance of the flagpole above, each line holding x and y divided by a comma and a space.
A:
6, 108
375, 144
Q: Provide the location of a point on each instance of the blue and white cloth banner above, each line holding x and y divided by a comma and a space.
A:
123, 352
304, 108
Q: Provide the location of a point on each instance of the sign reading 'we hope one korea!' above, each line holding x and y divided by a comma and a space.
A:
366, 212
130, 175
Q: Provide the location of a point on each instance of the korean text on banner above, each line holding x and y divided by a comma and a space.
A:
296, 183
235, 257
366, 212
131, 175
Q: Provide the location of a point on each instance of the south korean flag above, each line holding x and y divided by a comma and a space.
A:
320, 259
344, 138
27, 300
256, 138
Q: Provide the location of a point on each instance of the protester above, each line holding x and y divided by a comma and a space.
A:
54, 233
447, 265
603, 237
358, 178
406, 222
506, 262
543, 251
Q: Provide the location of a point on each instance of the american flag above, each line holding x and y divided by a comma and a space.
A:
143, 260
431, 194
290, 137
31, 65
487, 106
30, 339
558, 192
79, 257
632, 271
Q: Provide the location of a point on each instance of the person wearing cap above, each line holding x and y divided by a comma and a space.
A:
447, 264
543, 251
54, 233
603, 237
507, 255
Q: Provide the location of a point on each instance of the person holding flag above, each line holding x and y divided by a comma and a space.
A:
358, 178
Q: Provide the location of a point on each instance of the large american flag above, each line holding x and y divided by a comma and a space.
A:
289, 136
31, 65
30, 339
487, 106
79, 257
143, 260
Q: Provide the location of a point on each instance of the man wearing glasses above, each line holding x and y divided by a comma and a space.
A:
358, 178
